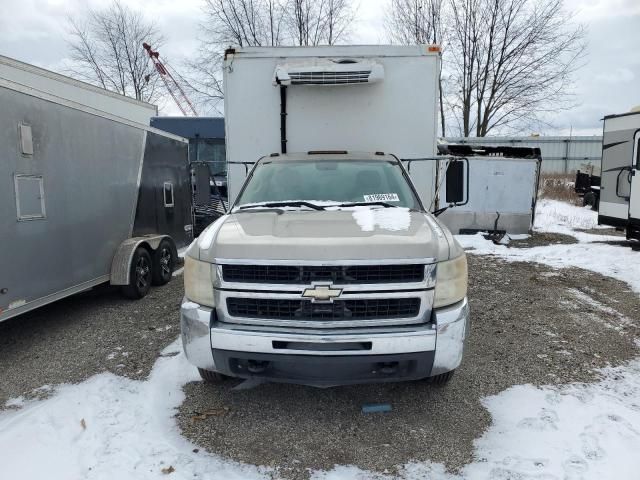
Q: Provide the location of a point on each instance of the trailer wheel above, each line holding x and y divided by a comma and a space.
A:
441, 379
589, 199
212, 377
140, 275
164, 260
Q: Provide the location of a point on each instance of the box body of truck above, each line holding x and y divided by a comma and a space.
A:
370, 98
329, 268
83, 184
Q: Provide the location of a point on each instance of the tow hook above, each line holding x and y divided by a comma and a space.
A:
254, 366
388, 368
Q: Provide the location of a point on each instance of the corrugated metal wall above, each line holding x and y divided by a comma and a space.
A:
559, 154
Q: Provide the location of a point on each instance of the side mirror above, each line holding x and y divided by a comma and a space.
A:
457, 178
201, 183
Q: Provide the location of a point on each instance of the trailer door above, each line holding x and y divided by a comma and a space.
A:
634, 198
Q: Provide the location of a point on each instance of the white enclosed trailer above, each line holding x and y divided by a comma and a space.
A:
356, 98
502, 195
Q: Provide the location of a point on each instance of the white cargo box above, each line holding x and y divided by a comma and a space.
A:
64, 90
354, 98
502, 191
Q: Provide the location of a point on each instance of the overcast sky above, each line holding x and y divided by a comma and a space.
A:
35, 31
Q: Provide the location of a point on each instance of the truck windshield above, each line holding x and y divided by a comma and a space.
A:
325, 181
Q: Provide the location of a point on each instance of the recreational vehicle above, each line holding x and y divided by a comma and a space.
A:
619, 203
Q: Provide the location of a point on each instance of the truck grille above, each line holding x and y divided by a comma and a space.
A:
340, 275
361, 309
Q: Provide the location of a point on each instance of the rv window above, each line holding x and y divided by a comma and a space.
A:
168, 194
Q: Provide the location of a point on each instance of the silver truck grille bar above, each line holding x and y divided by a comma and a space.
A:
362, 294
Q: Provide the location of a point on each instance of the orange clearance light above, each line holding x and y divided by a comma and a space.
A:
433, 48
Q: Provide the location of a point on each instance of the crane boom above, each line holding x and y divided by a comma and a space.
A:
174, 88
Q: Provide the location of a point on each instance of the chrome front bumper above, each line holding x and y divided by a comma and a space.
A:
444, 336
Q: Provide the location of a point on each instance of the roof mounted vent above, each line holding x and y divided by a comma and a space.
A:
328, 72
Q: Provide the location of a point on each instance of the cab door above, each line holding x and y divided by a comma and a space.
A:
634, 197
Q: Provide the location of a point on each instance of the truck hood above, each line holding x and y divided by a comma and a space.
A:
358, 233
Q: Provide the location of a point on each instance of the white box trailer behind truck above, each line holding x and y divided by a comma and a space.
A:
89, 193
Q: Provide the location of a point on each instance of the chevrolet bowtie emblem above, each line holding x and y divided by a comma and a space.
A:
322, 293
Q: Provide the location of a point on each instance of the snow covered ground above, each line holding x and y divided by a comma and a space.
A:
113, 427
615, 261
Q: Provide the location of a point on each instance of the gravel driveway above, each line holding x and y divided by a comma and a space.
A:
531, 324
96, 331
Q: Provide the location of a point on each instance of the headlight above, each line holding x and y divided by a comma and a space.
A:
451, 281
198, 281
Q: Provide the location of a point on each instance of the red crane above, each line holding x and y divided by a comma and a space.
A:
174, 88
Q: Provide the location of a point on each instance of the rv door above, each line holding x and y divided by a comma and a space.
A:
634, 197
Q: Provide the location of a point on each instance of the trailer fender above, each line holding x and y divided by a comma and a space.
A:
120, 266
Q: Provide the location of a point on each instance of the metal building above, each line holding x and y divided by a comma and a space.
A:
559, 154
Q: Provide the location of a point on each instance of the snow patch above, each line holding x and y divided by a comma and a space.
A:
393, 219
577, 431
560, 217
111, 427
614, 261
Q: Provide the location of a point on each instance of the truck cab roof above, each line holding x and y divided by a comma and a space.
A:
331, 155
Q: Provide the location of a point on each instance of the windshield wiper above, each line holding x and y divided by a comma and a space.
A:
364, 204
284, 204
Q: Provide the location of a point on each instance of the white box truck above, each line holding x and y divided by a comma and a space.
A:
329, 268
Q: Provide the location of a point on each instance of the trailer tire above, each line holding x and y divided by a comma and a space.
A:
441, 379
164, 261
211, 376
140, 274
589, 199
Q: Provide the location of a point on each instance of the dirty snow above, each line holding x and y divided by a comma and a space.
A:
617, 261
578, 431
110, 427
113, 427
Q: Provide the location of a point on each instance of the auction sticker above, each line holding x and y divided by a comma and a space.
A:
382, 197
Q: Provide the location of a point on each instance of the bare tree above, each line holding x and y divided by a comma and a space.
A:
513, 62
106, 49
411, 22
261, 23
231, 23
316, 22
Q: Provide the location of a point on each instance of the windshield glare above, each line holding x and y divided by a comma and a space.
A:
327, 180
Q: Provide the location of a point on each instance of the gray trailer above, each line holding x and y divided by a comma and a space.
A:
88, 193
619, 204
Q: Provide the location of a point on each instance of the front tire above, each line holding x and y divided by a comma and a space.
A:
211, 377
164, 260
140, 275
441, 379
